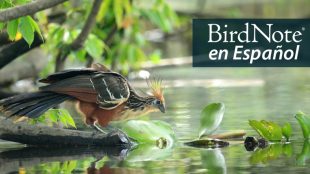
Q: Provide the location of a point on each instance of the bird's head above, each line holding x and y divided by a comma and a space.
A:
156, 89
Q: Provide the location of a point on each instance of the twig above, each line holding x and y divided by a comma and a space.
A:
80, 40
27, 9
11, 51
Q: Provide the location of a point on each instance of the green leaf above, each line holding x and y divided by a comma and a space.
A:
64, 166
302, 113
26, 30
63, 120
304, 122
71, 166
210, 119
12, 28
213, 161
22, 1
53, 114
149, 131
286, 130
35, 26
2, 24
94, 46
172, 15
127, 6
269, 130
41, 16
79, 55
68, 117
118, 12
103, 9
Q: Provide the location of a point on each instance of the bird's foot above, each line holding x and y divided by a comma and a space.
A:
122, 133
123, 136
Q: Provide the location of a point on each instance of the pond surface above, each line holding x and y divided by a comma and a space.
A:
248, 93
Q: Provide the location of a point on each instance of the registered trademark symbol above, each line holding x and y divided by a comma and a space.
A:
303, 28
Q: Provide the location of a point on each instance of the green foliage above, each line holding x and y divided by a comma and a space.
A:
55, 115
150, 131
286, 130
125, 48
304, 155
213, 161
269, 130
147, 152
26, 24
65, 167
210, 119
304, 122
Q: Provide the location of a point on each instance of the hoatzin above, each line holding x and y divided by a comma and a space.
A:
101, 96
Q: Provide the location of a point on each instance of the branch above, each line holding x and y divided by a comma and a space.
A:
80, 40
27, 9
13, 50
34, 63
27, 133
89, 25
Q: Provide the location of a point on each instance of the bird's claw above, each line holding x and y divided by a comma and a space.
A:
122, 133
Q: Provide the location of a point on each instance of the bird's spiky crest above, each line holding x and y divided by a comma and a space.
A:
156, 87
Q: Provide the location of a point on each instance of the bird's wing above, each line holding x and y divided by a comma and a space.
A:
112, 89
108, 89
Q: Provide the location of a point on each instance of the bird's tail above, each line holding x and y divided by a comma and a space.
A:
31, 105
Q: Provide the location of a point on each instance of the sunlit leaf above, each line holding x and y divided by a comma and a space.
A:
22, 1
103, 9
64, 166
127, 6
2, 24
118, 12
26, 30
68, 117
269, 130
63, 120
149, 131
79, 55
71, 166
210, 119
41, 16
172, 15
53, 114
35, 26
94, 46
12, 28
213, 161
304, 122
286, 130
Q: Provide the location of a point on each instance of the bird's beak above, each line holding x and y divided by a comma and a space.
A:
162, 108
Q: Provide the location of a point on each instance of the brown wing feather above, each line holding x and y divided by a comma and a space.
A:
112, 89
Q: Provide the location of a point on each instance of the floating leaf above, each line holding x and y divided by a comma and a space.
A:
27, 30
213, 161
12, 28
269, 130
149, 131
286, 130
211, 118
304, 122
207, 143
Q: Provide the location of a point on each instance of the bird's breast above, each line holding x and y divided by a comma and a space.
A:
128, 113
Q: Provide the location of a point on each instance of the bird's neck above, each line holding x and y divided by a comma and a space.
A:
137, 102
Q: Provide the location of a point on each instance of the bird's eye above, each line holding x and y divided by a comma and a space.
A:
158, 102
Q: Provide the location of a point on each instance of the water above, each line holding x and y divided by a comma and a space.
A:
248, 93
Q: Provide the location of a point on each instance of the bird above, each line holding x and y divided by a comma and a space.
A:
101, 96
